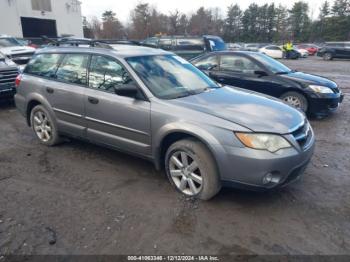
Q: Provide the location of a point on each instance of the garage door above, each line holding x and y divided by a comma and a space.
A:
35, 27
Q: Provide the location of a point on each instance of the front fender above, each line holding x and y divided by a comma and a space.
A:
204, 134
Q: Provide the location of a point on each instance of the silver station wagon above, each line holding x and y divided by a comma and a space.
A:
156, 105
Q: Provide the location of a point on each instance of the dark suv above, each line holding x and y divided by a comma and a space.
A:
335, 50
8, 73
187, 46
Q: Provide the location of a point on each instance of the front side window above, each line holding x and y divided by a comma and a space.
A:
237, 64
106, 74
208, 63
170, 76
73, 69
44, 65
272, 64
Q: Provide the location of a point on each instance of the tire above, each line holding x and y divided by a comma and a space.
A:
296, 100
205, 178
43, 126
327, 56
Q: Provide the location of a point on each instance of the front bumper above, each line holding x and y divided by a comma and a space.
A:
324, 104
247, 168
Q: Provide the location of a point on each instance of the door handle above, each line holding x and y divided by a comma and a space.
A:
93, 100
49, 90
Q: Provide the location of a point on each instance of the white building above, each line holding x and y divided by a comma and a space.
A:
34, 18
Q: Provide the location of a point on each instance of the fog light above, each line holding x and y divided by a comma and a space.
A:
271, 178
267, 179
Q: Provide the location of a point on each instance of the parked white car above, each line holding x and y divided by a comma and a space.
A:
14, 50
303, 52
273, 51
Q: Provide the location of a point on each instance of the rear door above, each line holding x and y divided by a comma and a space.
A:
118, 121
61, 80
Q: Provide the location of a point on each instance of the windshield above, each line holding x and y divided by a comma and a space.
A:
272, 64
8, 42
217, 44
170, 76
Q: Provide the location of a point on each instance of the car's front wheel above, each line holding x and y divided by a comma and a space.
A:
296, 100
43, 126
328, 56
191, 168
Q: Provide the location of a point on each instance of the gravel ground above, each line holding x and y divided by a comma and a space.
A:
79, 198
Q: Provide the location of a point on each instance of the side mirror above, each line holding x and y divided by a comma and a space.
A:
128, 90
260, 73
207, 67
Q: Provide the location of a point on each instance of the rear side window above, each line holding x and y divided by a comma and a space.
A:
43, 65
106, 74
237, 64
73, 69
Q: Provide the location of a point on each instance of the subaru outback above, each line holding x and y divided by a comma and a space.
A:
156, 105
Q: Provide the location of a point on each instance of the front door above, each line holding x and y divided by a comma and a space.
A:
118, 121
237, 71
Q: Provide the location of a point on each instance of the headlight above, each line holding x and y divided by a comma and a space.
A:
321, 89
269, 142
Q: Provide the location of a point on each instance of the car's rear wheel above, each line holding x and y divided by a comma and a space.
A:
328, 56
192, 170
44, 127
296, 100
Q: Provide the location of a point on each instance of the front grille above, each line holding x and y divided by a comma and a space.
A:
302, 135
8, 77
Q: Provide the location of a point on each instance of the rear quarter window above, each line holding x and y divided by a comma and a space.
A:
44, 65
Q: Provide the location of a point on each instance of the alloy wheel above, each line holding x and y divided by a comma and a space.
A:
293, 101
42, 126
185, 173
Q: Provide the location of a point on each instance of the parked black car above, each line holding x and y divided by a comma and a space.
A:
335, 50
255, 71
8, 74
187, 46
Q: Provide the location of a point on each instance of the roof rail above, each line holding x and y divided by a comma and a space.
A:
120, 42
76, 42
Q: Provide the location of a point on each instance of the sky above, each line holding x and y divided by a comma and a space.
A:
122, 8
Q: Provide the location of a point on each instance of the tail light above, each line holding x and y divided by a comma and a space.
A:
18, 80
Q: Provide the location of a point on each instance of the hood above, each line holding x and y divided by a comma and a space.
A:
256, 112
308, 79
12, 50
